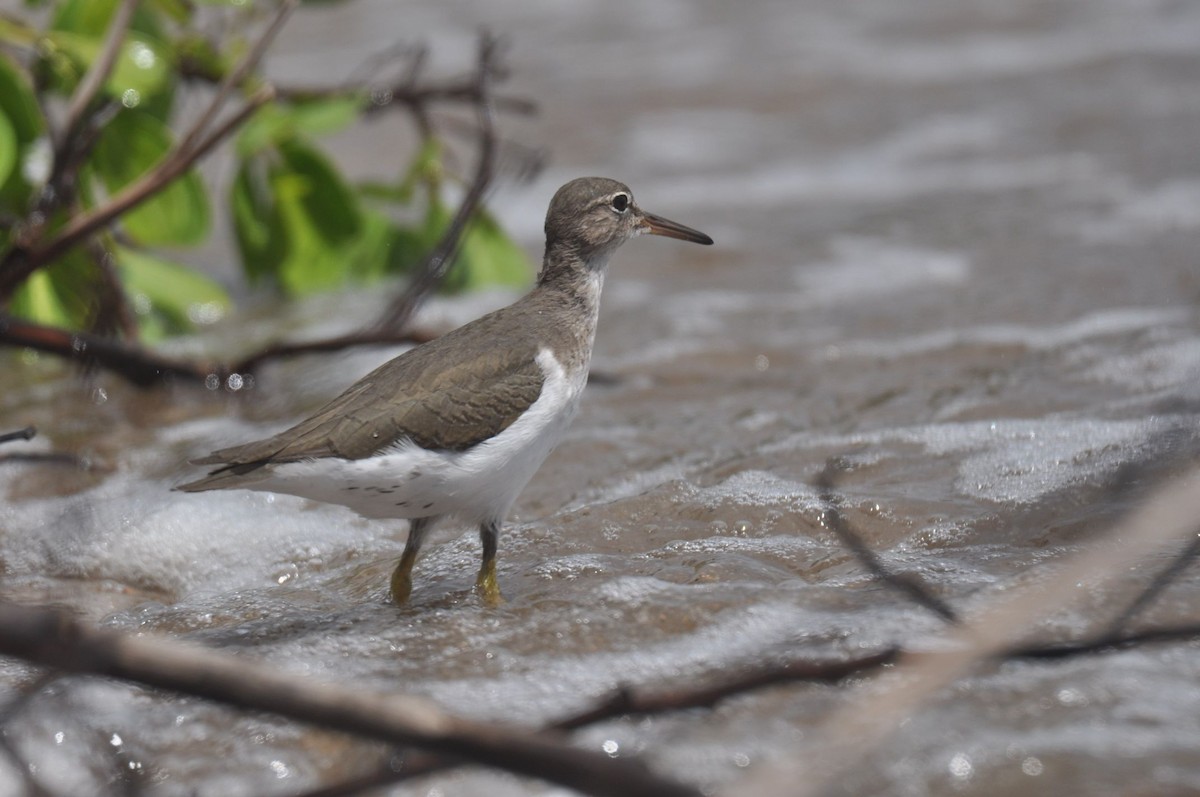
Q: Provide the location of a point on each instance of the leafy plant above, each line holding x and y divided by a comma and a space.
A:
299, 224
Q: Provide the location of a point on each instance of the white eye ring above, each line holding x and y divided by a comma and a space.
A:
620, 202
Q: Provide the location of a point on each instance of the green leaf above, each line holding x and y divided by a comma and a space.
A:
320, 218
132, 144
254, 226
279, 123
169, 297
60, 294
8, 148
298, 222
37, 300
21, 113
487, 257
143, 67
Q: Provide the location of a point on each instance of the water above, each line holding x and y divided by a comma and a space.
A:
955, 247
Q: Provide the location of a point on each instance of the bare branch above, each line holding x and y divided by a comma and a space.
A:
833, 520
998, 626
234, 78
437, 263
20, 264
56, 640
1180, 563
28, 433
130, 362
99, 71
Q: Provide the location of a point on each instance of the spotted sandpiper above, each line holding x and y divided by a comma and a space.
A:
457, 426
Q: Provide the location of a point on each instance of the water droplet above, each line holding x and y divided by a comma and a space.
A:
58, 737
235, 382
762, 362
115, 741
961, 767
741, 760
1032, 766
212, 381
280, 769
39, 157
131, 98
611, 747
141, 55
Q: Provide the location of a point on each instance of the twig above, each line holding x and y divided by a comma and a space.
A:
437, 263
53, 639
833, 520
21, 263
235, 76
28, 433
99, 71
629, 701
996, 627
131, 362
1163, 580
279, 351
24, 259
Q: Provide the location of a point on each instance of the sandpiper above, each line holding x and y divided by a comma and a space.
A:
458, 426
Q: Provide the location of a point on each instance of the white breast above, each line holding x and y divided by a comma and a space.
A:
476, 485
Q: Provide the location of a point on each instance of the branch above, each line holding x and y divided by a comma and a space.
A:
28, 433
833, 520
133, 363
990, 632
1160, 582
85, 224
627, 702
21, 261
437, 263
234, 78
53, 639
99, 71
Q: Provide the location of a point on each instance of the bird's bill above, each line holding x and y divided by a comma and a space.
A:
657, 225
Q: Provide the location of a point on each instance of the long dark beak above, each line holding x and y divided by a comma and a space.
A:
657, 225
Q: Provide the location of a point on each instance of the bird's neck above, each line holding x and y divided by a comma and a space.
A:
569, 287
566, 271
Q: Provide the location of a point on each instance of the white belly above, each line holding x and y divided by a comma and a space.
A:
476, 485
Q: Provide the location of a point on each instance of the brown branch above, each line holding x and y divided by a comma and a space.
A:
21, 263
833, 519
28, 433
55, 640
627, 702
437, 263
234, 78
92, 81
131, 362
278, 351
24, 259
1164, 579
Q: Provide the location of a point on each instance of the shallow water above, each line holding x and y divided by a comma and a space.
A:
956, 247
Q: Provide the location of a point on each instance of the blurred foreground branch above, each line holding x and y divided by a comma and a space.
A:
53, 639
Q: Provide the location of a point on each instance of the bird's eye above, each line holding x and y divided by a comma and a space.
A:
620, 203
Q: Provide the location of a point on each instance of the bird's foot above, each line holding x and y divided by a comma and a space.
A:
402, 579
486, 585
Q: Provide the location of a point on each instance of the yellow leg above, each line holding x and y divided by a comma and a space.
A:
485, 583
402, 577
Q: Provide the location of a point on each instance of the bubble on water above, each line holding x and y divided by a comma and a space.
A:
961, 767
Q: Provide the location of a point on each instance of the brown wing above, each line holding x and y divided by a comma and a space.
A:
417, 397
